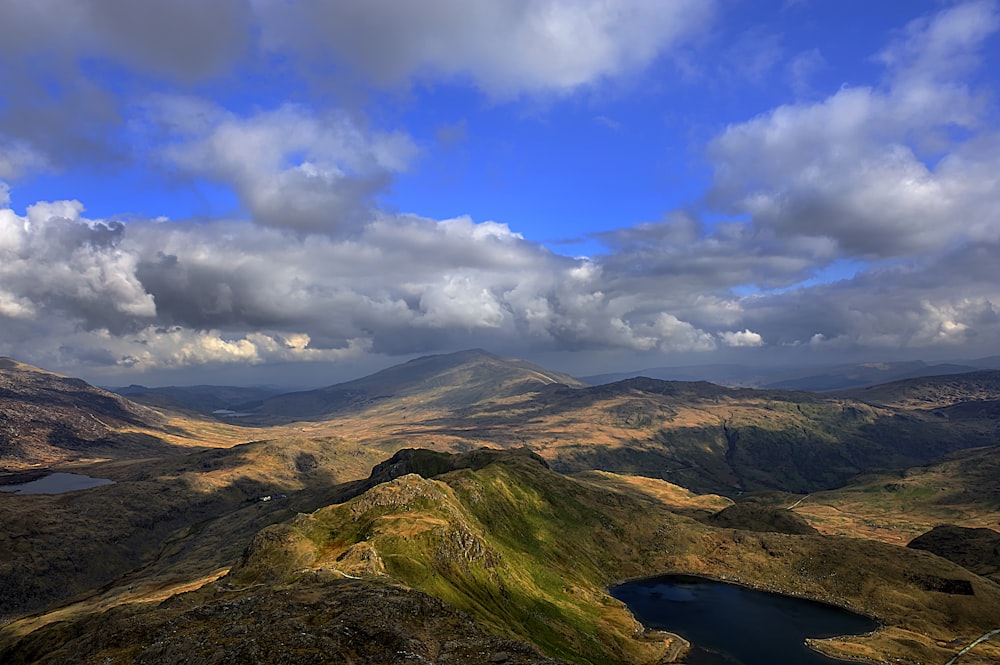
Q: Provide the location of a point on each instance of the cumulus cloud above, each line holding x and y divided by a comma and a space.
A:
54, 260
506, 48
745, 338
160, 294
853, 168
291, 167
899, 177
70, 69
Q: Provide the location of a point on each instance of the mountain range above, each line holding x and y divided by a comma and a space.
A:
447, 487
816, 378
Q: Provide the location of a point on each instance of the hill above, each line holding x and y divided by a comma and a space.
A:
486, 533
696, 434
46, 418
858, 375
934, 392
813, 379
269, 522
897, 506
975, 549
442, 382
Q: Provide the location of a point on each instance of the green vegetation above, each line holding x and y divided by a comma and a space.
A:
529, 552
500, 535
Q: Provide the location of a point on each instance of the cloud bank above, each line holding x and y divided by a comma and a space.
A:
896, 179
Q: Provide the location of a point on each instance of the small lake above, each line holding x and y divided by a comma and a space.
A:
732, 625
56, 483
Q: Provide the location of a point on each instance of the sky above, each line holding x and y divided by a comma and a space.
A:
299, 192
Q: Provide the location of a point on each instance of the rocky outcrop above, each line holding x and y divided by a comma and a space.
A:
324, 619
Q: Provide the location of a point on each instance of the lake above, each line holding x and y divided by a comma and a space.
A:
732, 625
56, 483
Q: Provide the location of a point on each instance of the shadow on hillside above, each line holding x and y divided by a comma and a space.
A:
154, 523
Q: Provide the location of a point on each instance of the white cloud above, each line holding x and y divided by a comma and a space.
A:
852, 168
902, 174
177, 347
54, 260
506, 48
152, 294
741, 338
290, 166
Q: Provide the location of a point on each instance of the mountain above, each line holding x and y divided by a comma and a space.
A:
813, 379
858, 375
46, 418
447, 382
722, 374
363, 580
696, 434
933, 392
328, 536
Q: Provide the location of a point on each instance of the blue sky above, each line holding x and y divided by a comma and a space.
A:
268, 189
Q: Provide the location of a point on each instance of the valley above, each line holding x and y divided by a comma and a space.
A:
449, 487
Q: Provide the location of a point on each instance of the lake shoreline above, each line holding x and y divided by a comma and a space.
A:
813, 644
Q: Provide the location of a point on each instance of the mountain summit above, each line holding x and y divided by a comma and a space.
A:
449, 381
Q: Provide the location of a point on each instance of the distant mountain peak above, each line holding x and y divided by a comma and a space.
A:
452, 381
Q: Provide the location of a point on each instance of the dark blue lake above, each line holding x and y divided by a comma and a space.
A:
732, 625
56, 483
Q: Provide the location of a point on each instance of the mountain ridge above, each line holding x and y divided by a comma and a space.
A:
48, 418
813, 379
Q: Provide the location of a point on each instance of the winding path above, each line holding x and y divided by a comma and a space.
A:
978, 640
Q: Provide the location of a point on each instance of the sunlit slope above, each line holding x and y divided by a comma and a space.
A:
528, 552
699, 435
164, 521
447, 382
962, 489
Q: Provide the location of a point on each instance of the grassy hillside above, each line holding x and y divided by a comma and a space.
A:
528, 554
963, 489
698, 435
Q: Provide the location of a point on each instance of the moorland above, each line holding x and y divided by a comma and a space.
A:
469, 508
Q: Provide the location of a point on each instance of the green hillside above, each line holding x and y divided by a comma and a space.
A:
528, 554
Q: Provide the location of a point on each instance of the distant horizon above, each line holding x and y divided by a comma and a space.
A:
305, 192
803, 370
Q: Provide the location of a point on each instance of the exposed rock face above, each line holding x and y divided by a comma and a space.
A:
321, 621
977, 550
361, 560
